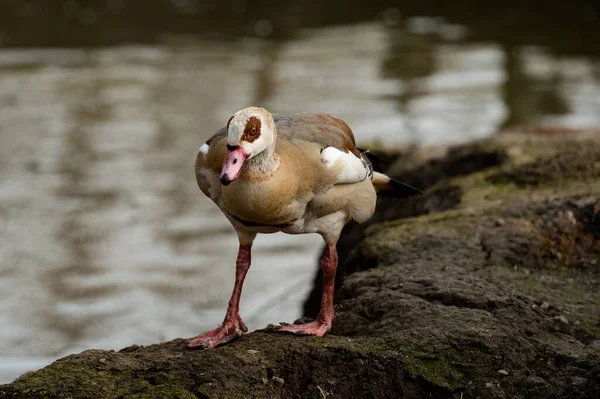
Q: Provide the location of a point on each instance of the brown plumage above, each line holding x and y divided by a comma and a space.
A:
297, 174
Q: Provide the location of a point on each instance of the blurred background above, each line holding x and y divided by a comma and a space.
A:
105, 239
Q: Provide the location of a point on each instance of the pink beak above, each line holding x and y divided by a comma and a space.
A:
233, 164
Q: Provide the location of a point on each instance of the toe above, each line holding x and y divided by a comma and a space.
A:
198, 342
222, 335
315, 328
203, 341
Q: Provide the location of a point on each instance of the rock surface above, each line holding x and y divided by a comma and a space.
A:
492, 291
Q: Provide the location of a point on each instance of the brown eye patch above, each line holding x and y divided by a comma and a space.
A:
252, 129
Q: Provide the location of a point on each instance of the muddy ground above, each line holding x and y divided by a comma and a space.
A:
487, 286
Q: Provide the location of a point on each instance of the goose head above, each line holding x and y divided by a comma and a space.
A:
249, 132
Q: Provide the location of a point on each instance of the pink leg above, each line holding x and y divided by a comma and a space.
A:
232, 326
323, 322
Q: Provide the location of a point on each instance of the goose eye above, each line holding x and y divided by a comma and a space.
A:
253, 131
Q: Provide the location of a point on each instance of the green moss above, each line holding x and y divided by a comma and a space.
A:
502, 183
80, 383
480, 192
555, 285
68, 379
437, 369
166, 391
399, 228
592, 326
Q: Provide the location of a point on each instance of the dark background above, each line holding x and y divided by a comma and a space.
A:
565, 26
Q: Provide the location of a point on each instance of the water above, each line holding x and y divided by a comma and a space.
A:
105, 239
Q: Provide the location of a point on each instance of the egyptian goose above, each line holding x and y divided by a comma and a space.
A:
296, 174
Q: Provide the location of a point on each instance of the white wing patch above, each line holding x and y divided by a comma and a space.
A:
353, 169
212, 180
204, 149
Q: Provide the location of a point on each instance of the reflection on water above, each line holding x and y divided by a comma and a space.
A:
105, 239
